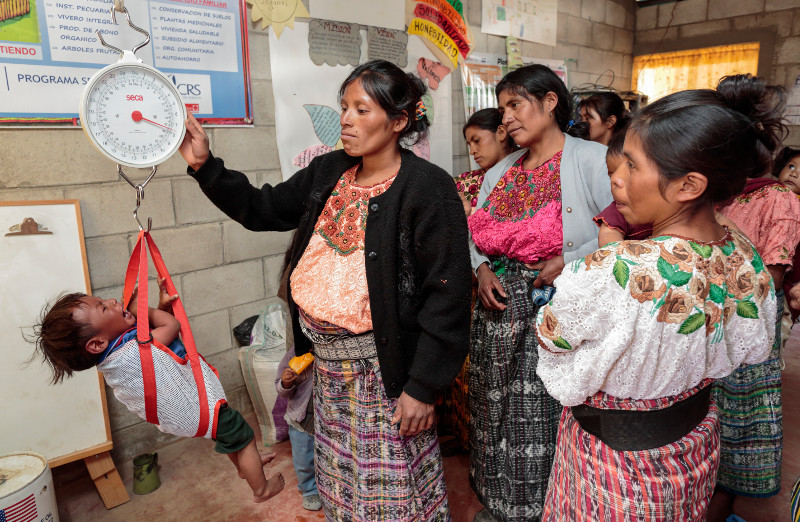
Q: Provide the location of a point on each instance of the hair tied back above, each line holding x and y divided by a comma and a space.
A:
422, 111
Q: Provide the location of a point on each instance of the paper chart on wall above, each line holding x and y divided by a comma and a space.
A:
531, 20
307, 107
48, 54
378, 13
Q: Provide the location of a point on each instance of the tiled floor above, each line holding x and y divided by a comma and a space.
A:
199, 484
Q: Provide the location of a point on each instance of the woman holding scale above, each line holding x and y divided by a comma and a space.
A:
380, 290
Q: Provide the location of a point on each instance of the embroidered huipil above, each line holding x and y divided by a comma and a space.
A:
330, 281
653, 318
521, 218
770, 217
468, 185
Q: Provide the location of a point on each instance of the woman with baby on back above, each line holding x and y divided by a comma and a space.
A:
638, 330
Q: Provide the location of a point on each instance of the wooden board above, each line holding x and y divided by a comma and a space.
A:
64, 422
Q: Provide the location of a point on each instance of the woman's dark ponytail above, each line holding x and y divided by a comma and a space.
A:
763, 104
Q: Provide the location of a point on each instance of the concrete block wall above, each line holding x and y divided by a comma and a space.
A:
223, 272
594, 37
703, 23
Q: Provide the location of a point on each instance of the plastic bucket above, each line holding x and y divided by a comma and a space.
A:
26, 488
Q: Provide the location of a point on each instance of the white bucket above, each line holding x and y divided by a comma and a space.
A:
26, 488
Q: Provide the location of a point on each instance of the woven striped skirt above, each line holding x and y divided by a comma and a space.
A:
591, 481
751, 424
513, 421
365, 471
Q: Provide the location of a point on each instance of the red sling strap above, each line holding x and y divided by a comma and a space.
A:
137, 271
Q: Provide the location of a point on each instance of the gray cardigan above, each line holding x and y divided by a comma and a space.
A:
585, 192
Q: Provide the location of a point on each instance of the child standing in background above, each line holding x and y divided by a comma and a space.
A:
300, 417
787, 170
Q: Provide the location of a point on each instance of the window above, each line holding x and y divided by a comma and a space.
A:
657, 75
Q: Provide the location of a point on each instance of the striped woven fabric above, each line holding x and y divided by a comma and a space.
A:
591, 481
795, 502
365, 470
751, 424
513, 421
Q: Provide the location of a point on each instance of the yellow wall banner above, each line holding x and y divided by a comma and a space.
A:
277, 13
434, 15
446, 9
443, 45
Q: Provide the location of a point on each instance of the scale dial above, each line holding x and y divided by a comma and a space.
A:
133, 114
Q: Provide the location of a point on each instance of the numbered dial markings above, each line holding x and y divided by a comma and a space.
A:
134, 115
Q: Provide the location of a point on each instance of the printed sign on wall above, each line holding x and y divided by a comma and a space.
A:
49, 52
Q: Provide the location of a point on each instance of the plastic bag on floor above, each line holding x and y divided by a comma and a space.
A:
259, 362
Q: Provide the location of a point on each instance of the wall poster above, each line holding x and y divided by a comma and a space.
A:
306, 104
49, 50
531, 20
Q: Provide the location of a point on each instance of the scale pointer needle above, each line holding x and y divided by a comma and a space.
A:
137, 116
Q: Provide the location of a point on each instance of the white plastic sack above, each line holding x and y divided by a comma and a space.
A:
259, 363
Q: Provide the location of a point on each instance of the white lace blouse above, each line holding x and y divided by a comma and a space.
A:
652, 318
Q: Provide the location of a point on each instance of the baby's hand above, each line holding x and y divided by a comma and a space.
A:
164, 299
132, 302
287, 378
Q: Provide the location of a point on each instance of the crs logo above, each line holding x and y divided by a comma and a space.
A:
186, 89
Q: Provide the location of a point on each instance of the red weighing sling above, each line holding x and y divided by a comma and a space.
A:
137, 271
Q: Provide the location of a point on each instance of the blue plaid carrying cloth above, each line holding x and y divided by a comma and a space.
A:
542, 296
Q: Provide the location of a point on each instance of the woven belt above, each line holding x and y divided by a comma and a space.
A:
347, 348
339, 348
625, 430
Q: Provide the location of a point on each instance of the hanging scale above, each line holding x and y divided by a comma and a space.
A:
131, 112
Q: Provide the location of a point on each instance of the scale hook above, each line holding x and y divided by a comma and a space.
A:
133, 26
139, 194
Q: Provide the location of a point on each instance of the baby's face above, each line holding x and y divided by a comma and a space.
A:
107, 316
790, 175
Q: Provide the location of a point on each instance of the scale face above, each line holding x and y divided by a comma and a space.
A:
132, 113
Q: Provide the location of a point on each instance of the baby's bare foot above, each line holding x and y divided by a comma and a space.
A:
274, 486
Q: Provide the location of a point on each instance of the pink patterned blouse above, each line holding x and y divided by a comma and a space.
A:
469, 184
770, 217
330, 282
521, 218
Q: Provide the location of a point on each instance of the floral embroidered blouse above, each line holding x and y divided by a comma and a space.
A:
469, 184
521, 218
329, 283
770, 217
654, 318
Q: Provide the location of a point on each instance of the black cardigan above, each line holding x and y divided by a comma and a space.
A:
416, 252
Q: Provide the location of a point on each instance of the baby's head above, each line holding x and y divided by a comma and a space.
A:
76, 330
614, 155
787, 168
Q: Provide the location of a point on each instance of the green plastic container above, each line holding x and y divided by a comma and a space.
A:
145, 474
